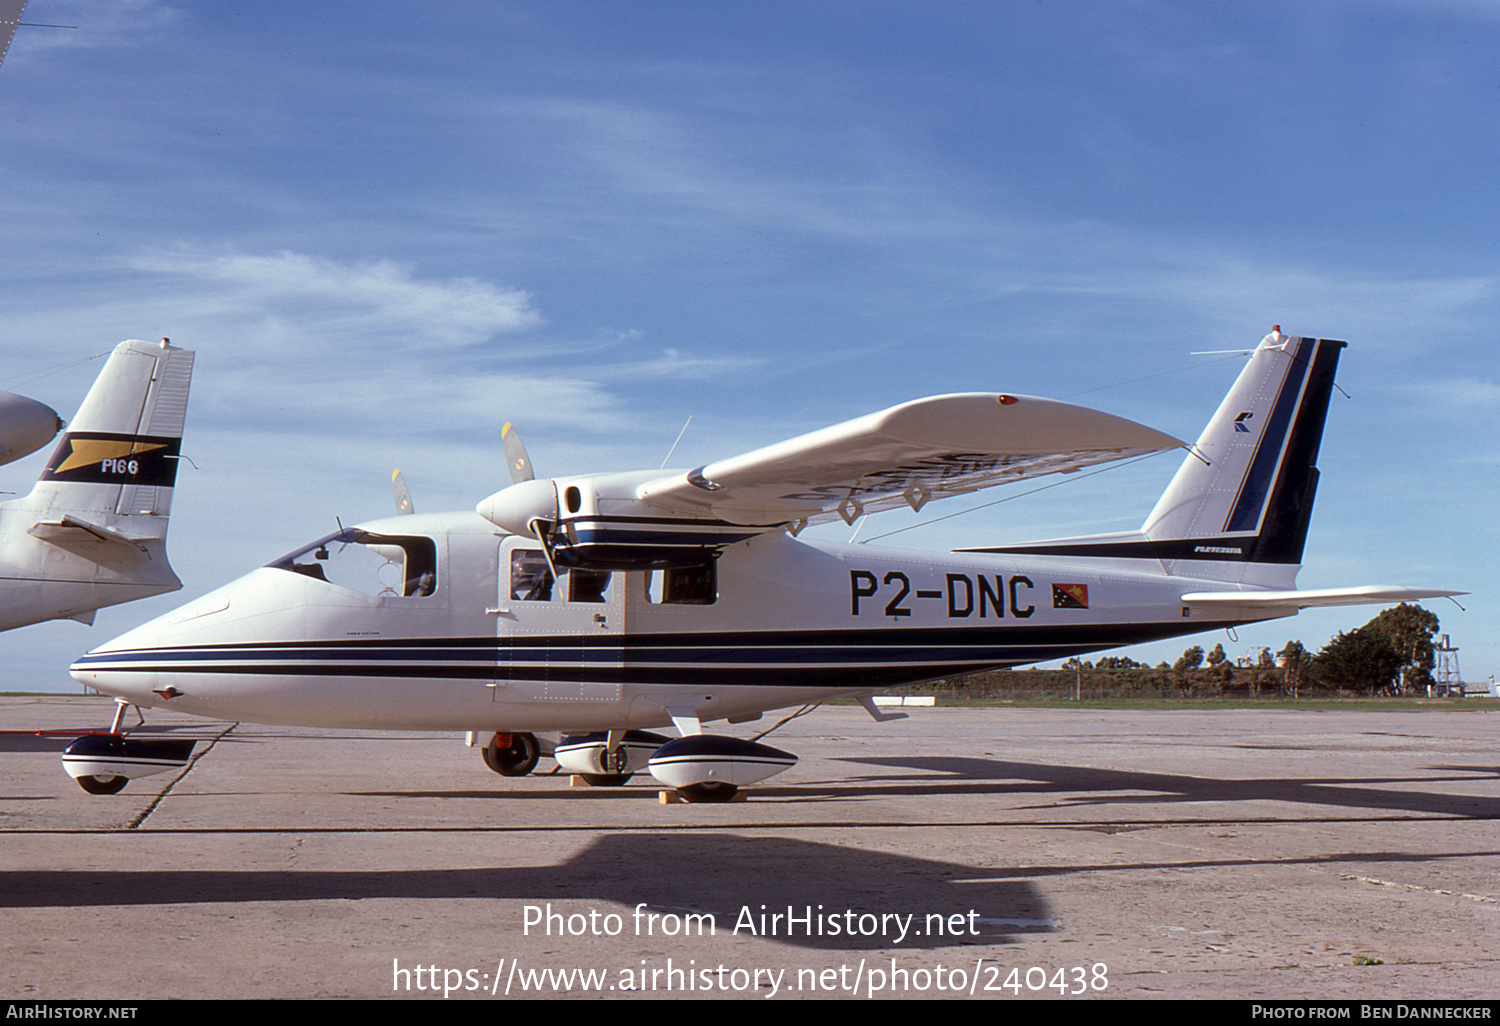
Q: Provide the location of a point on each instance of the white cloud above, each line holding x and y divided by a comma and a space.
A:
370, 302
1462, 396
671, 364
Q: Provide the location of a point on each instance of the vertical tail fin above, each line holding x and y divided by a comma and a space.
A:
1246, 492
116, 464
92, 532
1240, 505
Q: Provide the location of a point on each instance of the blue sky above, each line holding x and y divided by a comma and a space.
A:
387, 228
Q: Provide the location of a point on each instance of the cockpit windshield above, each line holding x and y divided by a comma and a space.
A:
372, 564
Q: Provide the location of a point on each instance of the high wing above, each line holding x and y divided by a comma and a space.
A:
907, 455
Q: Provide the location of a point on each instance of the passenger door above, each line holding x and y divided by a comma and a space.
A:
561, 635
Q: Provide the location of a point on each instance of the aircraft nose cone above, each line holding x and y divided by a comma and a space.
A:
154, 663
127, 666
121, 673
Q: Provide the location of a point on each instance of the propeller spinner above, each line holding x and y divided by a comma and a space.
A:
526, 500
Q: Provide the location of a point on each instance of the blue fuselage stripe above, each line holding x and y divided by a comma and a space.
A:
828, 658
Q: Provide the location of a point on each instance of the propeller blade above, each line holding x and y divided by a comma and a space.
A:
403, 496
515, 454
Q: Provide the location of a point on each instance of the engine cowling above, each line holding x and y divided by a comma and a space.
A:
25, 426
520, 507
598, 523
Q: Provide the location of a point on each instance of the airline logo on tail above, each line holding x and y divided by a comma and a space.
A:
96, 457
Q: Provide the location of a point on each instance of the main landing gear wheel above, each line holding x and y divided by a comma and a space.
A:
512, 755
709, 791
103, 784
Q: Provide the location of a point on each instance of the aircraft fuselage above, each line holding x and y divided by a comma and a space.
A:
444, 622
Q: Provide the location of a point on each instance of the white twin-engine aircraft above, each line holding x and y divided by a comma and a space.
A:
602, 605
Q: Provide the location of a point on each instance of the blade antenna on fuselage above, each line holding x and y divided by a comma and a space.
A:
678, 441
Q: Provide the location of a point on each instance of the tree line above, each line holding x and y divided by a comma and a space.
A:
1392, 654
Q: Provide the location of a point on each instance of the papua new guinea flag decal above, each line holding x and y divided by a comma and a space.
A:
1070, 596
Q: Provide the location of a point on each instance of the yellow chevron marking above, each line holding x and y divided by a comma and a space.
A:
87, 451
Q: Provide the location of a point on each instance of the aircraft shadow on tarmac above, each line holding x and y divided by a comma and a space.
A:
1057, 786
733, 878
23, 741
1094, 786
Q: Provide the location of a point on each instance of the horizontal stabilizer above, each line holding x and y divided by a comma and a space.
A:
70, 528
1370, 594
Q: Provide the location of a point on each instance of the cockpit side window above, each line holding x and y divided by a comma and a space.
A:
391, 566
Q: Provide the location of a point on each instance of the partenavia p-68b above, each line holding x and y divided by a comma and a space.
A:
600, 606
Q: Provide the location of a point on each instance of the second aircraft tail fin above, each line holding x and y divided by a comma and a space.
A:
116, 465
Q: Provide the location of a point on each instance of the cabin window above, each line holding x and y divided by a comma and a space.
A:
530, 577
588, 585
684, 586
531, 580
393, 566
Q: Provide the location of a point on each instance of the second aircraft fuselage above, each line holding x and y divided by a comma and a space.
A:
444, 622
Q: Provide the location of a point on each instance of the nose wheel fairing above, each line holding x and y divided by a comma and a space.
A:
102, 763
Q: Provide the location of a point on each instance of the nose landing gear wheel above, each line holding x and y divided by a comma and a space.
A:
102, 784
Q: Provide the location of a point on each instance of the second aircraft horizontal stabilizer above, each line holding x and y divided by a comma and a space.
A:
70, 528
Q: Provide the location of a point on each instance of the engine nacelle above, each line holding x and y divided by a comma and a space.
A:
25, 426
597, 523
